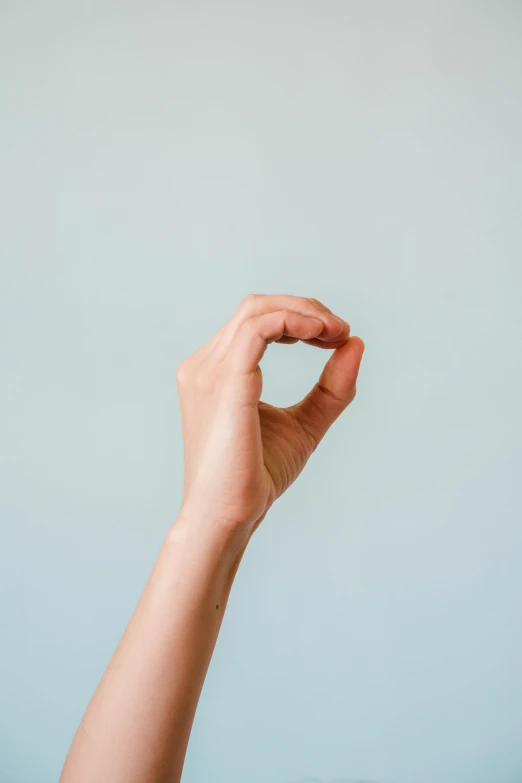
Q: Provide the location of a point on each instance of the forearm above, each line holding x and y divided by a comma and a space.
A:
137, 726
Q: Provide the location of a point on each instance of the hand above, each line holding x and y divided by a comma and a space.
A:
240, 453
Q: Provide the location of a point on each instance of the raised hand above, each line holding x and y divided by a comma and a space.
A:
240, 453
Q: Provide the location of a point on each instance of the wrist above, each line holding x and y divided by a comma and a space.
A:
208, 536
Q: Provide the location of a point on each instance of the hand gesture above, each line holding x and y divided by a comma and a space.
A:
241, 453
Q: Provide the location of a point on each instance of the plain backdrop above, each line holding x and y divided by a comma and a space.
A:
161, 160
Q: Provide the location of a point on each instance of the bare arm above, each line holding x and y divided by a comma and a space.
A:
240, 455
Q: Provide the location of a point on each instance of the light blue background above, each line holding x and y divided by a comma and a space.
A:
158, 162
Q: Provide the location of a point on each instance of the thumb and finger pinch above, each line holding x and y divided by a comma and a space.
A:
333, 392
336, 386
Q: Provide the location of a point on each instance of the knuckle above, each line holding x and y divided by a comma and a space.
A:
182, 373
249, 301
194, 375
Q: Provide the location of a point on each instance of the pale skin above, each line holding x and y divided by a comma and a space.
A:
241, 454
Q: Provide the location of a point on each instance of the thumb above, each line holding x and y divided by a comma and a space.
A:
333, 392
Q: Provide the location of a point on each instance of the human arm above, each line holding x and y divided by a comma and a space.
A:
240, 456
